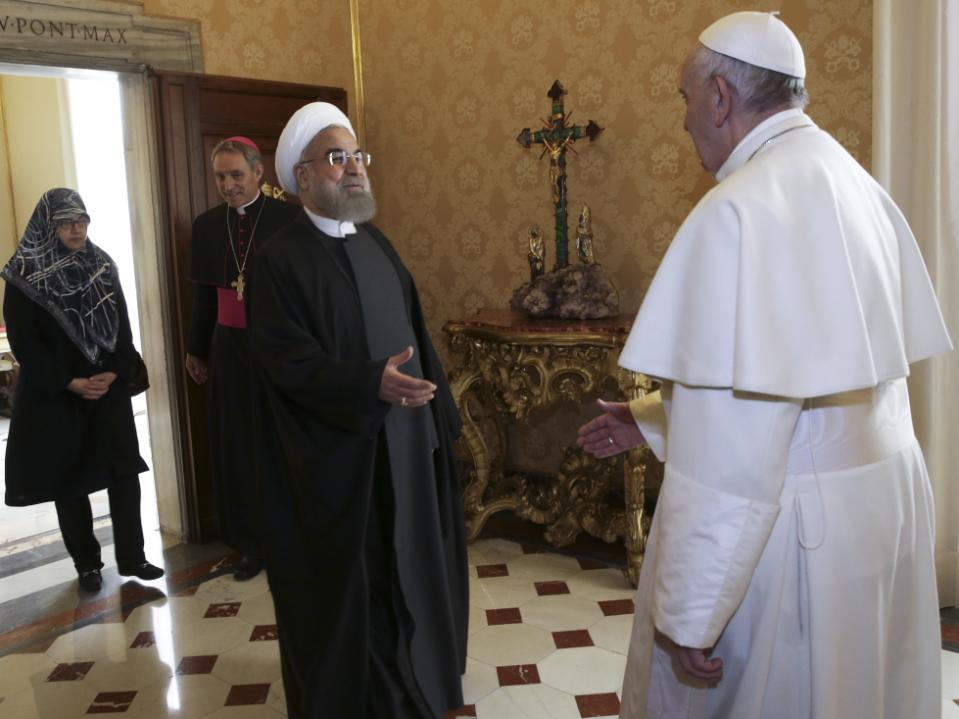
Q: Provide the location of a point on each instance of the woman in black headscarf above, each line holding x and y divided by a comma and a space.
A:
72, 430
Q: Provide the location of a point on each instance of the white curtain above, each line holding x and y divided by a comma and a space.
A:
916, 157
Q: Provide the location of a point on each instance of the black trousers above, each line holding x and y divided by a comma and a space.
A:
76, 525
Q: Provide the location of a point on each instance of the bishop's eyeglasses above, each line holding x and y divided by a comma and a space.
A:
339, 158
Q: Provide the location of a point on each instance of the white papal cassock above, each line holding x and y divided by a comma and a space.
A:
794, 527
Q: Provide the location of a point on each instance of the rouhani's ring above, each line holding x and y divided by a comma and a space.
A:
610, 438
404, 403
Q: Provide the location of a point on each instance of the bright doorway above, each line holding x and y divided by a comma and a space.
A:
65, 128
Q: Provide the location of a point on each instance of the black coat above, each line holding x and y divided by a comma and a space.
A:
319, 428
59, 443
212, 263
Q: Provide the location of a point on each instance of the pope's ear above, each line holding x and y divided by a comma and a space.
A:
723, 100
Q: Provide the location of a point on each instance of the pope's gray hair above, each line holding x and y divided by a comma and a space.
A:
760, 89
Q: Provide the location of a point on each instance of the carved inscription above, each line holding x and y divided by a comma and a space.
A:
60, 29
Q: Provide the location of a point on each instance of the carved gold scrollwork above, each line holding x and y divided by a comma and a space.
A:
499, 378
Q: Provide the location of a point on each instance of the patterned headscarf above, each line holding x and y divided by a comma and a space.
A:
80, 289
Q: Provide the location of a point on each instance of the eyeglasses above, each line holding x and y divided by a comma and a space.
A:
339, 158
70, 224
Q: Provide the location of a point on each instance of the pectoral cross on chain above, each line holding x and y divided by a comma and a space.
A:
556, 137
239, 284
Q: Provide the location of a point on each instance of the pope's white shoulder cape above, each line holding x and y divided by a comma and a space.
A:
795, 276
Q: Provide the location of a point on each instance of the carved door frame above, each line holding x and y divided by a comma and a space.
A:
193, 113
159, 42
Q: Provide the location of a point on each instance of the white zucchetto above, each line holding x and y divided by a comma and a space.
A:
758, 38
305, 124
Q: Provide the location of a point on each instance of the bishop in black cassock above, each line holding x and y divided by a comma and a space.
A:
224, 242
365, 545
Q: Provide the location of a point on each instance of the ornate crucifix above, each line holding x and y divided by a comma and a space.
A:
556, 137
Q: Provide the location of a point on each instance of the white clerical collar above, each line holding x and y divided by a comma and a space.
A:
242, 209
764, 132
333, 228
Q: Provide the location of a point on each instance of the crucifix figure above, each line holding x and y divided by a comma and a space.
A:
556, 137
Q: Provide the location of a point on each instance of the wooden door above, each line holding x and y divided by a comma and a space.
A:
194, 112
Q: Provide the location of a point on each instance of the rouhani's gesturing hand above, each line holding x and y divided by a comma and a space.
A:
403, 389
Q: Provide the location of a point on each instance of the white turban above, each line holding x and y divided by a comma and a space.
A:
306, 123
759, 38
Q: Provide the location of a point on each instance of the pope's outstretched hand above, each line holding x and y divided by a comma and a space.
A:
612, 432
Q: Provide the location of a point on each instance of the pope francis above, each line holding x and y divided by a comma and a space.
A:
789, 571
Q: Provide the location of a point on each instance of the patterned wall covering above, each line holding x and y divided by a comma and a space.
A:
304, 41
449, 84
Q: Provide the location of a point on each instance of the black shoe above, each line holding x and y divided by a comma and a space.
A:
143, 570
90, 580
246, 569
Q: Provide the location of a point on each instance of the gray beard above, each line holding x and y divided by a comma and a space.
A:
345, 207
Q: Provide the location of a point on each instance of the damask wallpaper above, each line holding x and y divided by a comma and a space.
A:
304, 41
450, 83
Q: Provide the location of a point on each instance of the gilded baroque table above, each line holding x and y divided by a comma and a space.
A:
508, 367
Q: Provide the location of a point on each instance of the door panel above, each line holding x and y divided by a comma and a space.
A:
194, 112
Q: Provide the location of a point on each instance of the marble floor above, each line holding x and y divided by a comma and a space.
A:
548, 636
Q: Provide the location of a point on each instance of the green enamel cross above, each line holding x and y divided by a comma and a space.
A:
556, 137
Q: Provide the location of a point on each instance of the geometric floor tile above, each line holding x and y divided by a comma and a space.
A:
245, 694
143, 640
601, 584
511, 615
544, 567
511, 644
613, 633
265, 632
223, 609
545, 589
548, 639
518, 674
250, 663
479, 680
197, 665
111, 702
561, 612
598, 705
528, 701
477, 619
572, 639
498, 592
70, 672
612, 607
585, 670
485, 571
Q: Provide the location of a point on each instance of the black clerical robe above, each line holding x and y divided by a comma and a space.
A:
215, 264
329, 485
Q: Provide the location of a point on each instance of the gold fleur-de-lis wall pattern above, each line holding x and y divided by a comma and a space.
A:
449, 84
